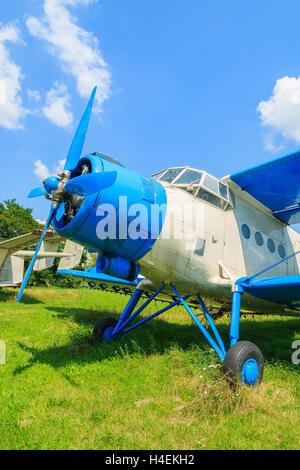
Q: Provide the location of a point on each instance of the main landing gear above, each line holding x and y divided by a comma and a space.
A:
243, 361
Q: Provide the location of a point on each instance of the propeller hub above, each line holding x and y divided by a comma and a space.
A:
51, 184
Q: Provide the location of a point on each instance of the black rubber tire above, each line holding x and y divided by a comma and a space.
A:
101, 326
238, 355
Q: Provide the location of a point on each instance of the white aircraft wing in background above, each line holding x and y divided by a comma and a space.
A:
14, 251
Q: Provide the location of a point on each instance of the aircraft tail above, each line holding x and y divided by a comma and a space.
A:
11, 272
73, 260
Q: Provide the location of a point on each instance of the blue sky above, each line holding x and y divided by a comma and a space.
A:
210, 84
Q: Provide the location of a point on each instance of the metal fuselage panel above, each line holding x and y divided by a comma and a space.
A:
207, 252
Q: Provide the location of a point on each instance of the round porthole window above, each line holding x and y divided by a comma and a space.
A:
281, 251
246, 231
259, 239
271, 245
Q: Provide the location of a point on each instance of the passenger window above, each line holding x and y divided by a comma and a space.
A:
189, 177
171, 175
211, 198
281, 251
246, 231
259, 239
271, 245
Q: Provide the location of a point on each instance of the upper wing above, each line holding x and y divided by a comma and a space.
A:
276, 184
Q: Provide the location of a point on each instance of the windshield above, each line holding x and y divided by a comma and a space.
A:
189, 177
158, 175
171, 175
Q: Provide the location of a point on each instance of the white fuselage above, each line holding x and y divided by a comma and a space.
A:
202, 249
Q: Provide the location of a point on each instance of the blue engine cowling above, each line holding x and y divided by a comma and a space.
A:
116, 266
138, 189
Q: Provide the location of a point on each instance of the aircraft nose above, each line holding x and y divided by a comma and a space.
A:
51, 183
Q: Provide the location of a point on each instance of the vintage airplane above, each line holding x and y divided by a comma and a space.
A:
185, 234
14, 251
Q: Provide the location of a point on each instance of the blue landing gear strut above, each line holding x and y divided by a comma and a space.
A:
243, 360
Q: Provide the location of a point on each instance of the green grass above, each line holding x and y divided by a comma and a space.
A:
160, 387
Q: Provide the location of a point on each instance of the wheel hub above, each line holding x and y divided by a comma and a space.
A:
107, 335
250, 372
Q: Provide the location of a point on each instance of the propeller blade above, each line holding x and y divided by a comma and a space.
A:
85, 185
37, 192
30, 267
79, 138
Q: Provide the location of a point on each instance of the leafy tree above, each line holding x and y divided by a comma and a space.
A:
15, 220
49, 277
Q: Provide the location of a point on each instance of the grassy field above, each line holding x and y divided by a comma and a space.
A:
160, 387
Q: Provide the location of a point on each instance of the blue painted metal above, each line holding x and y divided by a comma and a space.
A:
126, 319
235, 314
138, 190
211, 341
250, 372
79, 138
37, 192
134, 299
116, 266
212, 325
51, 184
93, 275
91, 183
108, 334
284, 290
30, 267
276, 185
159, 312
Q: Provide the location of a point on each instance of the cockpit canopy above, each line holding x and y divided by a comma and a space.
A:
199, 184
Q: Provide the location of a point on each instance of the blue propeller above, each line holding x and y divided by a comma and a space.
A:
37, 192
74, 151
91, 183
30, 267
82, 185
78, 141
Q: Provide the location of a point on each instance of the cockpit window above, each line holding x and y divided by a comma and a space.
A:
158, 175
211, 198
211, 184
189, 177
223, 190
199, 184
171, 175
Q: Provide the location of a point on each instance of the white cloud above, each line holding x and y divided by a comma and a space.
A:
269, 143
12, 111
41, 222
57, 104
41, 171
34, 95
77, 50
282, 111
60, 166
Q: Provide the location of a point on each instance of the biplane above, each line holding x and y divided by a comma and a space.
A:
14, 251
184, 234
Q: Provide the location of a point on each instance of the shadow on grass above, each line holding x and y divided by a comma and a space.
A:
274, 337
7, 295
28, 299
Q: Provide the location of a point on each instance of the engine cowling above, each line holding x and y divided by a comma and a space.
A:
82, 219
